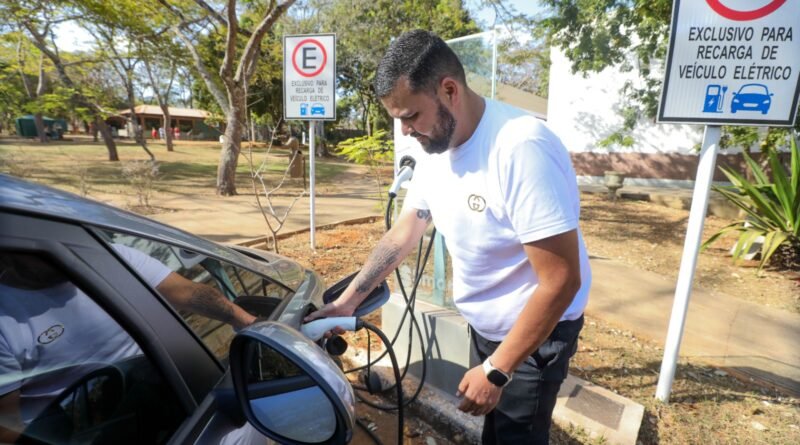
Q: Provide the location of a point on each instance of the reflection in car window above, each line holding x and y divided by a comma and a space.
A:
69, 373
214, 297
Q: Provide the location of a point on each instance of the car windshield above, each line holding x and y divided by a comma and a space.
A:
753, 89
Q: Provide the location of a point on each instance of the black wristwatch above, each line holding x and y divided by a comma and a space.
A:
495, 376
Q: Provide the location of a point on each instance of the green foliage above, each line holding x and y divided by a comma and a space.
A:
372, 151
368, 150
768, 140
772, 205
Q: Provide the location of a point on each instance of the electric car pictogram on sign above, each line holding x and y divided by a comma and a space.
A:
752, 97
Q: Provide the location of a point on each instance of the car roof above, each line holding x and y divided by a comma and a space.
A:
27, 197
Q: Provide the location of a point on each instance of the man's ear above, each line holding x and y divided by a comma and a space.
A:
450, 90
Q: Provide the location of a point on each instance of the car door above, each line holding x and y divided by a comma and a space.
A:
185, 372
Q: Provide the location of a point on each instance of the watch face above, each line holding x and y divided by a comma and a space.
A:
497, 378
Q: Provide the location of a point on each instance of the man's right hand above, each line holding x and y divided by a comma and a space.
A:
333, 309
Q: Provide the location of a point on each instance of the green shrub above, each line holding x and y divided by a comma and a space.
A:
368, 150
771, 205
373, 151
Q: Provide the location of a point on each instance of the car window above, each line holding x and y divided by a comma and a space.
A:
214, 297
69, 373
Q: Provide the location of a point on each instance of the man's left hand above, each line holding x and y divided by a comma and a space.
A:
480, 395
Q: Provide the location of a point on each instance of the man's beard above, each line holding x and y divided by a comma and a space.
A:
445, 126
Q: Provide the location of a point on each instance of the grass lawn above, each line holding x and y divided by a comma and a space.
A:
81, 163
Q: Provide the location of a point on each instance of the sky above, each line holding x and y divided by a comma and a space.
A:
70, 37
487, 15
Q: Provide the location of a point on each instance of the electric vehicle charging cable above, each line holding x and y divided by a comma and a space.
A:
406, 171
316, 329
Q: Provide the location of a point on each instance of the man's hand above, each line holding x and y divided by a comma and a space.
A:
480, 395
333, 309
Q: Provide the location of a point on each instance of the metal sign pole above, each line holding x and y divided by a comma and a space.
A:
312, 178
691, 247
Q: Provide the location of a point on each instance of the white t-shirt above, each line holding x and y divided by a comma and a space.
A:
61, 331
511, 183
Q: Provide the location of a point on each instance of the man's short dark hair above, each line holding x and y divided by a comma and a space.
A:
421, 56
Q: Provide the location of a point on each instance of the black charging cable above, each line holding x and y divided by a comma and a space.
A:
410, 304
396, 368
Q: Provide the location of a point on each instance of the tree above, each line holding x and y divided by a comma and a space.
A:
228, 85
33, 94
166, 70
122, 56
12, 99
37, 18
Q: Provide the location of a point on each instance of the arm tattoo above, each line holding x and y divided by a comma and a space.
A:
378, 265
424, 214
208, 302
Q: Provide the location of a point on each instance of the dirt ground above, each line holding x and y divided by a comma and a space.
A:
707, 405
650, 237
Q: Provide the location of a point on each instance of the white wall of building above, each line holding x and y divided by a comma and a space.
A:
584, 110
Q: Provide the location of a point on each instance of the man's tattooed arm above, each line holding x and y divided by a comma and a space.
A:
383, 260
210, 303
380, 263
203, 300
425, 215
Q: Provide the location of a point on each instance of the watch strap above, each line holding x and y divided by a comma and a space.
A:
488, 369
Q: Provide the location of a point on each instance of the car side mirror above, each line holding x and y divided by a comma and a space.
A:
288, 388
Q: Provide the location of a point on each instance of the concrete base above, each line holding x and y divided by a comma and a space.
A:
598, 411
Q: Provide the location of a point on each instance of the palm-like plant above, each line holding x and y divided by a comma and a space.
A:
771, 205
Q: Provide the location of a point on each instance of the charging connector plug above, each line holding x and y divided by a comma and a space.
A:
316, 329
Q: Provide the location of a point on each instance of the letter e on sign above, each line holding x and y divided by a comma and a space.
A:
309, 58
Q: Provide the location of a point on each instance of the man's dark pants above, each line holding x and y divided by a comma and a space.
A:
525, 410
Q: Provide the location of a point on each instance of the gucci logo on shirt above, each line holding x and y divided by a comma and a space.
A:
476, 203
51, 334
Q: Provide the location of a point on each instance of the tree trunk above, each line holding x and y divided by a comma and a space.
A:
38, 121
101, 126
229, 155
138, 134
168, 134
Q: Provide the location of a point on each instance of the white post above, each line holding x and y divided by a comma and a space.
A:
691, 247
311, 155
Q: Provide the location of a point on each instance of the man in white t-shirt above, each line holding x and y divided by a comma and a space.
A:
52, 334
503, 193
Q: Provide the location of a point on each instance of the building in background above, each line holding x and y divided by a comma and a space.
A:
586, 109
190, 122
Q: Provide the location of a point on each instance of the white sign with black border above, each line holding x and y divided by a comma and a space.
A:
309, 77
733, 62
